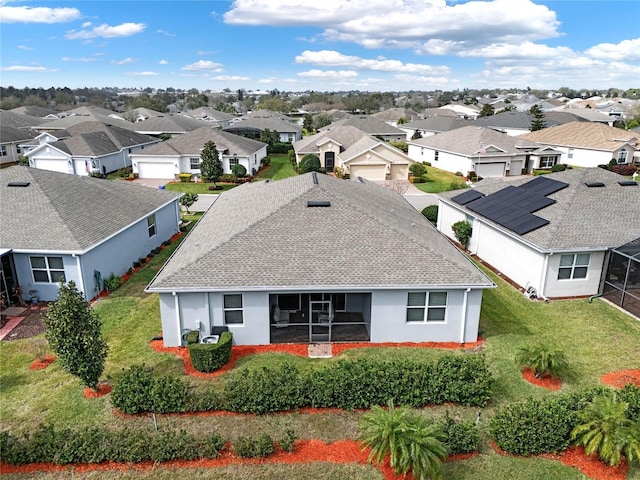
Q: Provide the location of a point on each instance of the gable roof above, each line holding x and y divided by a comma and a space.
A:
167, 123
367, 124
345, 135
362, 240
469, 141
395, 114
582, 216
62, 212
378, 148
17, 120
438, 124
10, 134
85, 114
275, 124
595, 136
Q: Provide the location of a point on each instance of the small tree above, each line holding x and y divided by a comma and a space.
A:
309, 163
73, 333
188, 199
211, 165
416, 135
537, 123
462, 231
542, 360
418, 169
487, 110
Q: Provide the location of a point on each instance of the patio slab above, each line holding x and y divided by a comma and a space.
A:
320, 350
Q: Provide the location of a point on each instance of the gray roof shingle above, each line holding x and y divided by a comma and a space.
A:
263, 235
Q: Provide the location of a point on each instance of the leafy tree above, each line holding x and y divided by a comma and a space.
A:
462, 231
538, 121
211, 165
418, 169
412, 443
309, 163
605, 429
487, 110
188, 199
73, 333
542, 360
321, 120
416, 135
402, 121
269, 136
307, 123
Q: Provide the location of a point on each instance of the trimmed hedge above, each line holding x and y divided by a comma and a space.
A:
192, 337
460, 436
207, 357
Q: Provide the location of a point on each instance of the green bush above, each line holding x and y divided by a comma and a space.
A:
279, 147
431, 213
184, 177
239, 171
192, 337
254, 448
418, 169
207, 357
211, 446
420, 179
459, 436
631, 394
309, 163
558, 168
168, 395
165, 446
111, 283
286, 443
542, 360
462, 230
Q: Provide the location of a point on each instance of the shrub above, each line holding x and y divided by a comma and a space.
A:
207, 357
239, 171
249, 448
418, 179
418, 169
457, 186
459, 436
125, 172
558, 168
338, 172
111, 283
286, 443
309, 163
165, 446
292, 156
279, 147
192, 337
462, 231
458, 174
631, 394
431, 213
211, 446
227, 178
542, 360
625, 170
168, 395
463, 379
184, 177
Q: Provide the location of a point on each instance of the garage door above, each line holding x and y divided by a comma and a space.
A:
516, 167
61, 166
490, 169
399, 172
370, 172
156, 170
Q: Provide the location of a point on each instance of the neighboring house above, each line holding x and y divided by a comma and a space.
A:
512, 123
551, 234
589, 144
434, 125
588, 114
10, 140
334, 261
481, 150
89, 147
181, 154
172, 124
213, 117
370, 125
392, 115
80, 115
468, 112
35, 111
57, 226
9, 118
360, 154
254, 126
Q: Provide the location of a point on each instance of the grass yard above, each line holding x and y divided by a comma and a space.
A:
595, 337
439, 181
199, 188
279, 168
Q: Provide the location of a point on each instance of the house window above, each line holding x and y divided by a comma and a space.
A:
233, 162
47, 269
547, 162
436, 155
151, 225
570, 154
3, 150
573, 266
233, 309
426, 307
622, 156
194, 163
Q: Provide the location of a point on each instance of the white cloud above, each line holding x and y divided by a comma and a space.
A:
163, 62
229, 78
86, 24
331, 58
204, 65
328, 74
25, 48
26, 68
527, 50
124, 61
167, 34
142, 74
107, 31
628, 50
78, 59
25, 14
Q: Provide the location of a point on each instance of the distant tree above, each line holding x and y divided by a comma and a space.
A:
307, 123
309, 163
269, 136
188, 199
402, 121
487, 110
211, 165
416, 135
73, 332
538, 121
321, 120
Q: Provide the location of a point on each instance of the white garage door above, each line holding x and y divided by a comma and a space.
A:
156, 170
490, 169
399, 172
370, 172
61, 166
516, 167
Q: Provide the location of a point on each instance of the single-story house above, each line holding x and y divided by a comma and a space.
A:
481, 150
371, 126
172, 124
434, 125
550, 234
360, 154
314, 258
85, 148
181, 154
254, 126
393, 115
10, 140
589, 144
56, 226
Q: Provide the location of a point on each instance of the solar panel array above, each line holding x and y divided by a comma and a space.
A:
513, 207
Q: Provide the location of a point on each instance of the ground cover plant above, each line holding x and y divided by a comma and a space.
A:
595, 338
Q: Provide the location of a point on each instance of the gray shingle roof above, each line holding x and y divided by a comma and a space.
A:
582, 217
12, 135
263, 235
62, 212
167, 123
438, 124
344, 135
367, 124
263, 123
16, 120
469, 141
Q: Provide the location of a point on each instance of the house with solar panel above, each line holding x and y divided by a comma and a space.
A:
314, 258
552, 235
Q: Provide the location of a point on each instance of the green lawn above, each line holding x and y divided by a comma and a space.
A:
279, 168
199, 188
596, 338
439, 181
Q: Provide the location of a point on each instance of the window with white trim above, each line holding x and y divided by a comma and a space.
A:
426, 307
151, 225
573, 266
622, 156
194, 163
233, 309
233, 162
3, 150
570, 154
47, 269
547, 162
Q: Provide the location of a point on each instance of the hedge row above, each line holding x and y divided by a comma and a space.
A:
544, 425
207, 357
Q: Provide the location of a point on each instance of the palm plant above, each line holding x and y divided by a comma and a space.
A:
542, 360
605, 429
410, 441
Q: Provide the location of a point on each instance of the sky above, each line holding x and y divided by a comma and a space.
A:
327, 45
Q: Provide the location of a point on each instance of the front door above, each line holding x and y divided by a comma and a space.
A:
329, 161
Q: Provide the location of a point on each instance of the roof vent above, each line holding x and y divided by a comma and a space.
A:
18, 184
318, 203
627, 183
314, 175
594, 184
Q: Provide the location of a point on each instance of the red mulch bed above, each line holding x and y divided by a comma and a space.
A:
621, 378
42, 363
102, 390
300, 349
546, 381
575, 457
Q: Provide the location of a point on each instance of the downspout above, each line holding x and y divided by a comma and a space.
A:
464, 314
543, 280
176, 306
81, 275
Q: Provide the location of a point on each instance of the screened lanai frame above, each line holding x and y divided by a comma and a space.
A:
622, 281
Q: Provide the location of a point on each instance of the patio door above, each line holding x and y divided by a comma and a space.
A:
329, 161
319, 328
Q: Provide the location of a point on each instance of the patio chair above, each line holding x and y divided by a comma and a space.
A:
326, 318
280, 317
